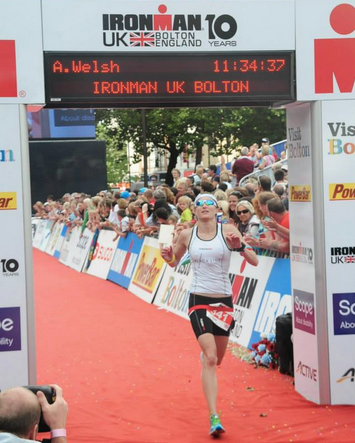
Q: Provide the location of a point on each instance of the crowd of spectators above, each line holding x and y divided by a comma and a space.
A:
259, 208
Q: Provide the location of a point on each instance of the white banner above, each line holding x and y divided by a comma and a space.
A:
41, 226
47, 233
299, 145
68, 245
174, 289
21, 53
325, 49
80, 251
103, 255
338, 131
55, 233
150, 26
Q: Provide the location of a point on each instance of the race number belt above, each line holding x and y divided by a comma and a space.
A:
219, 313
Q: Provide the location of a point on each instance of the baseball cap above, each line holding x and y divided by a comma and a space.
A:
284, 168
265, 140
125, 194
142, 190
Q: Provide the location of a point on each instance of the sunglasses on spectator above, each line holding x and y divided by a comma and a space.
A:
244, 211
205, 202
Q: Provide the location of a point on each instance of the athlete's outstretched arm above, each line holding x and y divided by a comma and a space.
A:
173, 254
235, 241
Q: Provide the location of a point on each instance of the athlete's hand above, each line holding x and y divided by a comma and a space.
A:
234, 240
167, 253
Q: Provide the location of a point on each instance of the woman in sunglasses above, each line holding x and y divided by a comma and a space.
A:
210, 245
249, 222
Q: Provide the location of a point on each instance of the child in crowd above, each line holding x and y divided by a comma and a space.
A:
123, 226
183, 207
223, 212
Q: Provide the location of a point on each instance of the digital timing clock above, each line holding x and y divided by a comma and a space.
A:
166, 79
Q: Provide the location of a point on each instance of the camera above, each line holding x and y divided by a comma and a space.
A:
50, 394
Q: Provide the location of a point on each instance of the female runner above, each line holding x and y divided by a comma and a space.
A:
210, 307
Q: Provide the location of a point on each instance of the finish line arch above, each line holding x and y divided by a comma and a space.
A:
141, 54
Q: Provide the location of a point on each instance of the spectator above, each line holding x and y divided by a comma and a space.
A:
279, 224
176, 176
223, 187
233, 199
184, 206
249, 222
243, 165
251, 188
181, 186
148, 194
123, 226
281, 192
198, 174
223, 212
126, 195
225, 179
283, 155
212, 175
20, 411
285, 169
207, 187
264, 184
253, 154
266, 158
279, 175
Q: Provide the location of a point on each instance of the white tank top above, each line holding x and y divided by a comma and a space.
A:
210, 261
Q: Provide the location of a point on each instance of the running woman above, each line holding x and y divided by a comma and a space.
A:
210, 306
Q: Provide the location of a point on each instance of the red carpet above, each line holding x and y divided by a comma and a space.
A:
131, 373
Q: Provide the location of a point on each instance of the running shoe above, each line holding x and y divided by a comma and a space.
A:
216, 426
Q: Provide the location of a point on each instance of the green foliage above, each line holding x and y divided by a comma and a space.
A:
176, 130
116, 153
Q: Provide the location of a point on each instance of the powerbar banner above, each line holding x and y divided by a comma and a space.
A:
149, 271
125, 259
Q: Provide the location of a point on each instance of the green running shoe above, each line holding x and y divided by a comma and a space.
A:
216, 426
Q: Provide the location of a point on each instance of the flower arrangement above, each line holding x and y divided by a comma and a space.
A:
264, 351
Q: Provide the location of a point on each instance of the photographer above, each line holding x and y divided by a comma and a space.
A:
20, 411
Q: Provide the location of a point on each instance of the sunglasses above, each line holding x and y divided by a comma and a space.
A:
205, 202
244, 211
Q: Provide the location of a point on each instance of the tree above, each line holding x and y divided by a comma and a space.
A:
188, 129
116, 154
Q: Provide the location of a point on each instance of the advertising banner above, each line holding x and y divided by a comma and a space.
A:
338, 131
276, 300
41, 226
46, 235
302, 248
248, 286
21, 57
68, 246
14, 356
80, 251
125, 260
103, 255
34, 223
60, 240
173, 294
325, 50
55, 234
149, 271
150, 26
